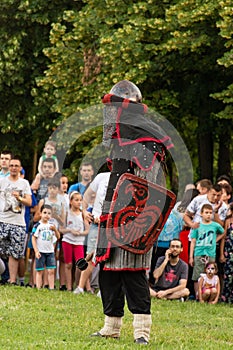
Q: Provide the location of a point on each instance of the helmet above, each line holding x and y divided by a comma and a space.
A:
127, 89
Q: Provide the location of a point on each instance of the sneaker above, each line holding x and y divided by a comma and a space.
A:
62, 288
22, 284
78, 291
141, 341
182, 300
3, 282
98, 294
13, 284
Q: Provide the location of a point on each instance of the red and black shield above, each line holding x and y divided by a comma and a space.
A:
138, 212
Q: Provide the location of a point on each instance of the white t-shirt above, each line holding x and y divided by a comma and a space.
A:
99, 186
196, 204
195, 208
11, 210
46, 238
75, 222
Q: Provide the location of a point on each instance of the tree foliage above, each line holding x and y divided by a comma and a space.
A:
24, 32
178, 52
59, 58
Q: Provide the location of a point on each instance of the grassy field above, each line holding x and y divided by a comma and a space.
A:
32, 319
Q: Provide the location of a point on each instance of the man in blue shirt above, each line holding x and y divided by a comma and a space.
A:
86, 172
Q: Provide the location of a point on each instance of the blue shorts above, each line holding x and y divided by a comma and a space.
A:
92, 238
47, 260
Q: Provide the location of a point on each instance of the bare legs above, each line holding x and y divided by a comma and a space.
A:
13, 269
39, 278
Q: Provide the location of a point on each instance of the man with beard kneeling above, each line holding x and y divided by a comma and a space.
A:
171, 274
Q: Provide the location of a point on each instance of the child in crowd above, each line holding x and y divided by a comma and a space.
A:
55, 201
63, 179
58, 214
203, 243
209, 285
64, 184
43, 241
73, 236
49, 152
226, 255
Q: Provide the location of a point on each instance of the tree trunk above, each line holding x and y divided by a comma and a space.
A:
35, 159
205, 140
224, 154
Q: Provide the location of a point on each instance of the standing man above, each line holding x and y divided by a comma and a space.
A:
192, 216
15, 194
4, 164
171, 274
137, 147
86, 172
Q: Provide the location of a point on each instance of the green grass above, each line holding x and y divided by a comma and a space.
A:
32, 319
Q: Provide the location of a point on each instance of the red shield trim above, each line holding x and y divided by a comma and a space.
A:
138, 212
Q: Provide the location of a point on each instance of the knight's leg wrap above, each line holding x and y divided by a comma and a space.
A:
141, 325
112, 327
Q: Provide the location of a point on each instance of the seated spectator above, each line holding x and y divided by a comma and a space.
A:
171, 230
209, 285
171, 274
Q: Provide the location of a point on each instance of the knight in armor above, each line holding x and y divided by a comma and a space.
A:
137, 149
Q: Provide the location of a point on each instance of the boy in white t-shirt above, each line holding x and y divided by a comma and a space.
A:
43, 240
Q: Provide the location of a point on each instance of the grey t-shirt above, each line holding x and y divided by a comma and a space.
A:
11, 210
171, 275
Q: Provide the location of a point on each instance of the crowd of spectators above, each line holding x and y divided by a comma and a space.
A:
192, 258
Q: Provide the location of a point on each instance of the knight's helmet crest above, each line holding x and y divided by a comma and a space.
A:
124, 89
